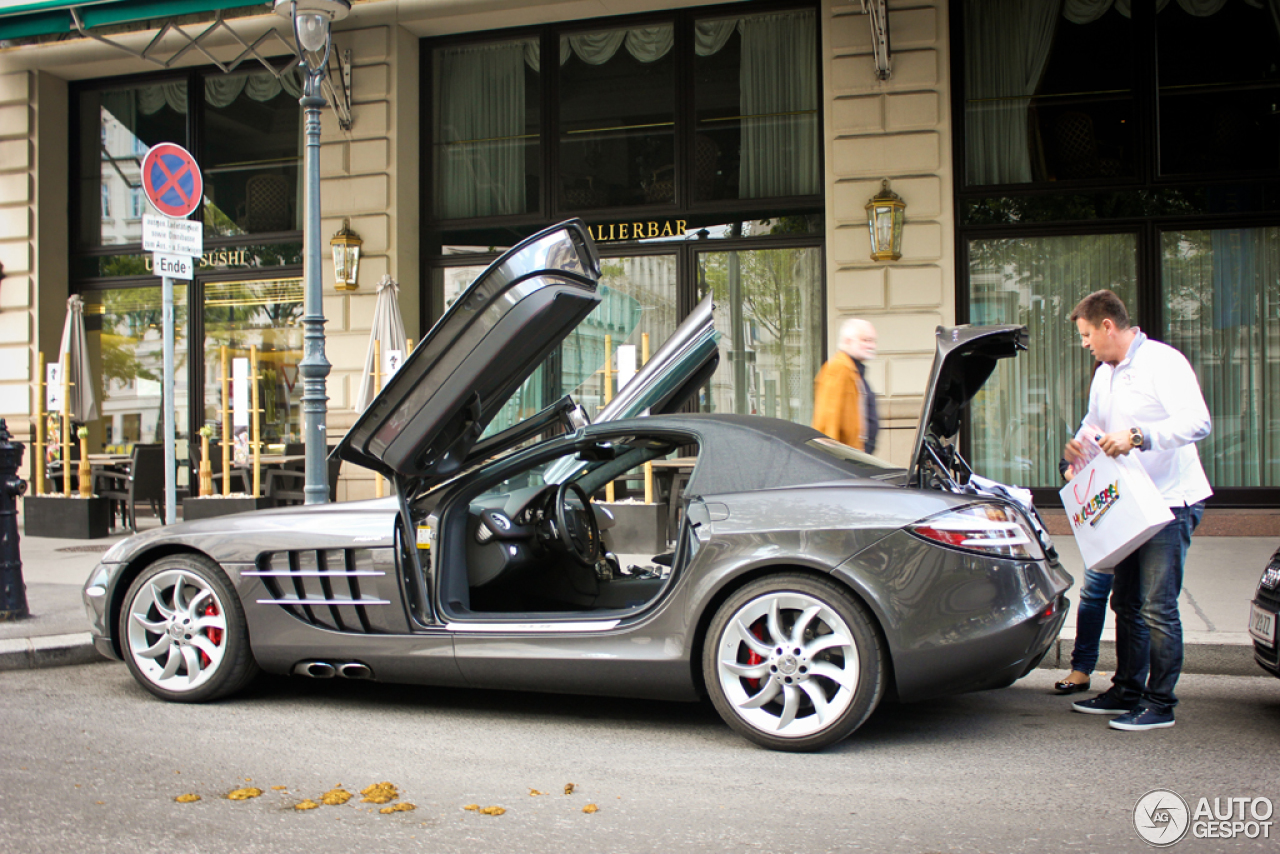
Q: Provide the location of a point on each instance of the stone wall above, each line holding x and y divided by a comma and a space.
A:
899, 129
369, 174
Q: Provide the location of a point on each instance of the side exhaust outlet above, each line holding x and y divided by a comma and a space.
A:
355, 670
316, 669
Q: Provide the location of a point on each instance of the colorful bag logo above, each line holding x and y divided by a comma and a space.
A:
1095, 508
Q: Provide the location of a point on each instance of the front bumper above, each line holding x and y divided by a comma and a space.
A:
96, 595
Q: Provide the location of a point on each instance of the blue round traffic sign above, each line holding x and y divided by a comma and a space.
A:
171, 179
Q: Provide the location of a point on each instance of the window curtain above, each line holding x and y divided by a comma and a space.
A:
1007, 46
1221, 294
260, 86
1031, 405
1088, 11
480, 104
778, 78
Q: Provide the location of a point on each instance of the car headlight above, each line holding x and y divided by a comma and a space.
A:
989, 529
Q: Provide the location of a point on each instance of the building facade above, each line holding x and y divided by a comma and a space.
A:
724, 149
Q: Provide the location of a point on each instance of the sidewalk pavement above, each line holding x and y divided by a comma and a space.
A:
1220, 578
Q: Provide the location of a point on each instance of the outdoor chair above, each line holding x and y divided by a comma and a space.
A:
286, 485
144, 482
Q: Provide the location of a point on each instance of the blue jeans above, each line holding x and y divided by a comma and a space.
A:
1146, 588
1091, 613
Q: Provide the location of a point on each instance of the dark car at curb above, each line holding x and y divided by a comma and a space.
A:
805, 582
1263, 614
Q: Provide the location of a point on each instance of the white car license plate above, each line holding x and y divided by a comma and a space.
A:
1262, 625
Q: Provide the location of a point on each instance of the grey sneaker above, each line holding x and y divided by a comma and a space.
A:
1103, 704
1142, 719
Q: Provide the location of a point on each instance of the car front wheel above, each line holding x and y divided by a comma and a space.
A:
183, 632
792, 662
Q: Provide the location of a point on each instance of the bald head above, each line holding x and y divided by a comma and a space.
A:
858, 339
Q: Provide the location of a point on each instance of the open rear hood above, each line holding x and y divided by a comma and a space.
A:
494, 336
963, 359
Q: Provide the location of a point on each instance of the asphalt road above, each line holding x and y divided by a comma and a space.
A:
89, 762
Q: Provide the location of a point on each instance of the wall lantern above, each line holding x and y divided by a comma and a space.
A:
346, 257
885, 213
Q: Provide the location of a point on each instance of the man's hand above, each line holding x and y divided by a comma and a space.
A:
1074, 454
1116, 444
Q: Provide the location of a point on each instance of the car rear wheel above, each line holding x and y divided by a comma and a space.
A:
792, 662
183, 632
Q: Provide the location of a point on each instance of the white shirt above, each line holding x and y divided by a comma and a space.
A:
1155, 389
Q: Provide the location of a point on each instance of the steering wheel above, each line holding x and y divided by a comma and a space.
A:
577, 530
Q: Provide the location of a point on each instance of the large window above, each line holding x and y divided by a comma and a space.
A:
672, 112
245, 130
486, 142
250, 131
126, 353
689, 142
1130, 145
266, 315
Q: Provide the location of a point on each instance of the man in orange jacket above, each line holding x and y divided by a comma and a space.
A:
844, 407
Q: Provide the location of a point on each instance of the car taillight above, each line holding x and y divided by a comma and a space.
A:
991, 529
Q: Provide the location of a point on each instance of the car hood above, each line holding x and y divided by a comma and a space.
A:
433, 410
963, 359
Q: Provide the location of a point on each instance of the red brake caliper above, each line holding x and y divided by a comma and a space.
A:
754, 657
214, 635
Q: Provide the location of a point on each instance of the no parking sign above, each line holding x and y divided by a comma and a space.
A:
171, 180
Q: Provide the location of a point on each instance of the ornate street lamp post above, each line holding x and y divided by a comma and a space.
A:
311, 20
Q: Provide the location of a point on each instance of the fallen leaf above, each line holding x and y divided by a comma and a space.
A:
188, 798
533, 793
568, 788
472, 807
397, 808
279, 788
334, 797
308, 804
243, 794
590, 808
379, 793
492, 811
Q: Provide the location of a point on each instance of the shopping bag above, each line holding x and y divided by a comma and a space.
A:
1113, 508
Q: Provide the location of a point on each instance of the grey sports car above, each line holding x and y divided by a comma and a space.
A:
804, 580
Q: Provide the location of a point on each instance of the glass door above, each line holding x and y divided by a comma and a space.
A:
267, 314
126, 351
769, 314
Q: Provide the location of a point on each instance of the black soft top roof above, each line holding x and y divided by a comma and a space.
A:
741, 453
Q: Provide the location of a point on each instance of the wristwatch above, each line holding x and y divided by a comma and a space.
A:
1136, 437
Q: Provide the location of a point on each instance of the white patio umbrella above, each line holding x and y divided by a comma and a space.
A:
82, 402
388, 330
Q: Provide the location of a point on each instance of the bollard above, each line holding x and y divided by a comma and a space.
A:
13, 593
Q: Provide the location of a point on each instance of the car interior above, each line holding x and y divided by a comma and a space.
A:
544, 540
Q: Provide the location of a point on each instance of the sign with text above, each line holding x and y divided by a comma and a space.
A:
174, 266
167, 236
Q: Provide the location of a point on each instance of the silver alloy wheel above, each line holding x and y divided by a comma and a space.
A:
177, 630
788, 664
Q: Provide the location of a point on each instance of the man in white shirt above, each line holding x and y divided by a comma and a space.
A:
1145, 399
